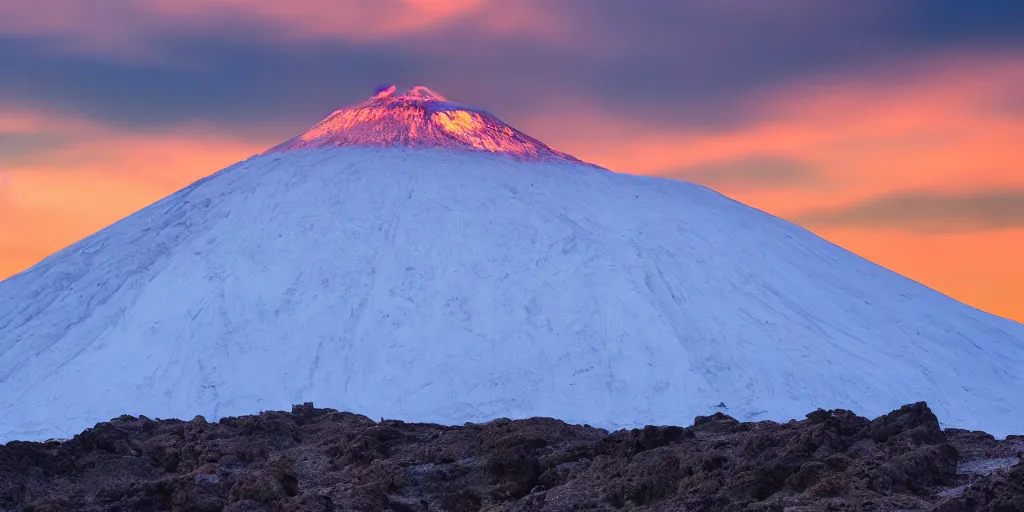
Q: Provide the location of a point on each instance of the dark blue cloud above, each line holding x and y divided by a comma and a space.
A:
698, 52
212, 79
978, 22
667, 61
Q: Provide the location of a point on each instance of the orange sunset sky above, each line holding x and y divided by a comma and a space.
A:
894, 129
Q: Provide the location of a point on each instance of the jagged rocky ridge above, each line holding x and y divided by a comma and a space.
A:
323, 460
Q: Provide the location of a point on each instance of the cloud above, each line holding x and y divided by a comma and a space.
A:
931, 212
271, 66
232, 84
115, 25
937, 21
22, 148
81, 176
750, 172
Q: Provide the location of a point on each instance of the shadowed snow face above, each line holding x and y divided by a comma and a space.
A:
420, 118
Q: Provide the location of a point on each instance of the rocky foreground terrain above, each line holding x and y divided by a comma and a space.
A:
323, 460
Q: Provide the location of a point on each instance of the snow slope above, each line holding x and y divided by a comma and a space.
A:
451, 287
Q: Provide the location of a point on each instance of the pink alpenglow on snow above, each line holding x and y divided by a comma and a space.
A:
421, 118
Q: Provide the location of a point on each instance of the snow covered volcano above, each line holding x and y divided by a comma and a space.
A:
415, 274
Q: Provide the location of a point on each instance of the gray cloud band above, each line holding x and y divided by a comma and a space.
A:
752, 172
928, 212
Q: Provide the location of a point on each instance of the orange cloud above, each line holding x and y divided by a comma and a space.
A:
62, 194
357, 19
121, 28
938, 128
945, 127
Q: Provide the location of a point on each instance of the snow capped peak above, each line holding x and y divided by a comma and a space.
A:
421, 93
421, 118
386, 91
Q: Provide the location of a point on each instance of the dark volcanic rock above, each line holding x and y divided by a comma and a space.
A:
324, 460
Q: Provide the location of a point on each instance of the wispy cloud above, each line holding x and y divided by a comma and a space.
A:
753, 172
929, 212
69, 177
24, 148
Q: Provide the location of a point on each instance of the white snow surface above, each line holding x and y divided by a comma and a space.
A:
445, 287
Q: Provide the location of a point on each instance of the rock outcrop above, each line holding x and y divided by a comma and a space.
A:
323, 460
